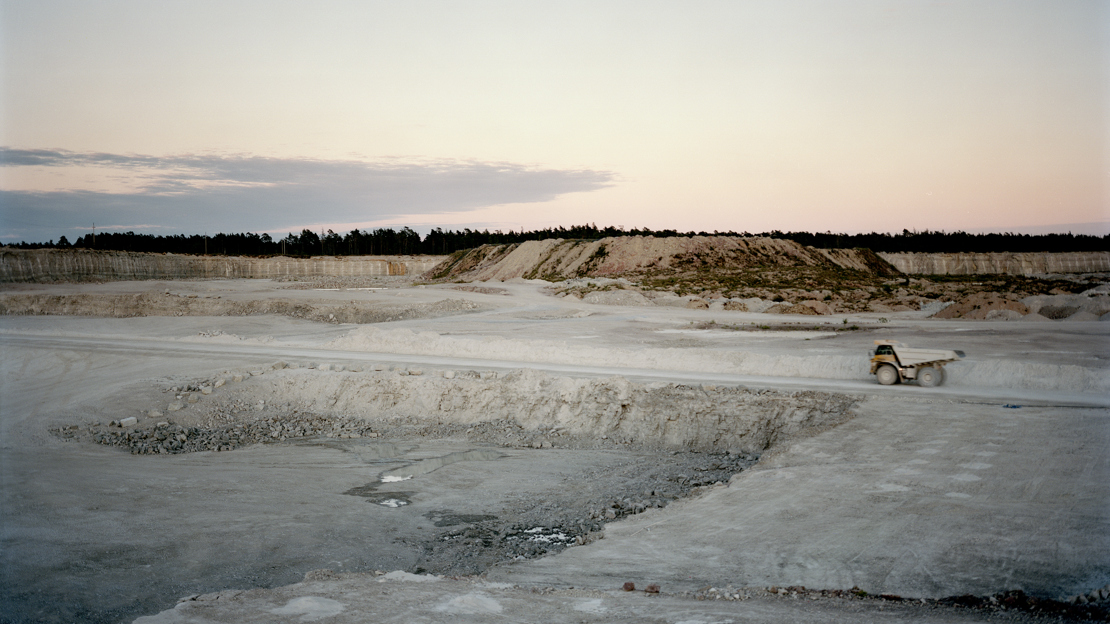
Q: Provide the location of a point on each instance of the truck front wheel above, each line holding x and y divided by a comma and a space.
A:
887, 375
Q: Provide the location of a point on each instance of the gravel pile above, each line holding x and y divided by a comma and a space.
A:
165, 437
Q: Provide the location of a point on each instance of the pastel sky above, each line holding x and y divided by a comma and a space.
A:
257, 115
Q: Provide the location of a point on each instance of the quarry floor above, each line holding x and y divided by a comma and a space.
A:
998, 481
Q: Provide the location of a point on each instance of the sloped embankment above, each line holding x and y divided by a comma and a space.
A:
165, 304
532, 407
558, 259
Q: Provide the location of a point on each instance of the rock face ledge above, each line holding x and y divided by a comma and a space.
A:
1003, 263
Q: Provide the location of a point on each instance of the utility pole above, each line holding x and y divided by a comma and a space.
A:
94, 234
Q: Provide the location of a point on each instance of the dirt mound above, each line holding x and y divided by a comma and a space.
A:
558, 259
1057, 313
1088, 305
980, 306
787, 308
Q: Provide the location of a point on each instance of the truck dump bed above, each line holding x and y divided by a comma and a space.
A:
909, 356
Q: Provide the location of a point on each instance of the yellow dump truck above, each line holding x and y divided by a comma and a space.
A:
895, 362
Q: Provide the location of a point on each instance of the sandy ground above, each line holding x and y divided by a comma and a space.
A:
997, 481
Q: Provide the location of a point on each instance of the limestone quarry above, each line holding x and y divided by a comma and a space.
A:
621, 430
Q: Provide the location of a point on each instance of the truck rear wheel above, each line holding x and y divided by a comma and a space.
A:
887, 375
929, 377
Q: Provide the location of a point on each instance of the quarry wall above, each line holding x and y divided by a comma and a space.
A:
552, 258
77, 265
1006, 263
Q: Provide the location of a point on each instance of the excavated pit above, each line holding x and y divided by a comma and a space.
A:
289, 401
604, 449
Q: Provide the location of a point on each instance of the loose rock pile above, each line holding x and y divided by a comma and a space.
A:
1100, 595
168, 438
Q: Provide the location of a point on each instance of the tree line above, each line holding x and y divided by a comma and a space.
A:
406, 241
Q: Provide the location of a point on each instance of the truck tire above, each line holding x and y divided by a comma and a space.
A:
887, 375
928, 377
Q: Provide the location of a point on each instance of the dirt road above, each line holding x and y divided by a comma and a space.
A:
140, 347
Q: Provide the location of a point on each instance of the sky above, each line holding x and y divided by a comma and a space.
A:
266, 116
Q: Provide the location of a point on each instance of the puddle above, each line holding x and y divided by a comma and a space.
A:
432, 464
386, 499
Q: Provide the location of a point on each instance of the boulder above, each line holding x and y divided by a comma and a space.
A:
789, 308
617, 297
819, 307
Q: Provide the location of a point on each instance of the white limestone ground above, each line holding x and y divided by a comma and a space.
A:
921, 492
